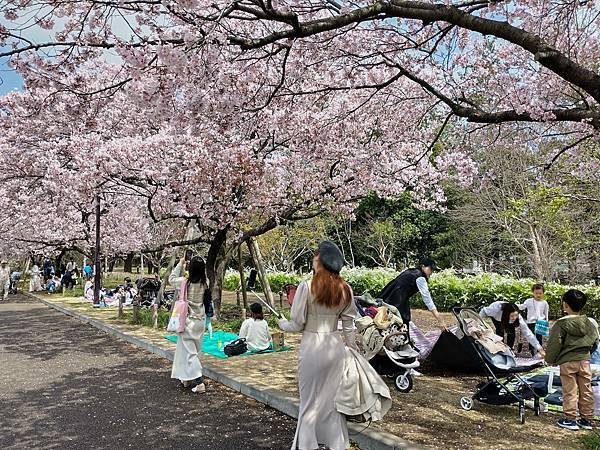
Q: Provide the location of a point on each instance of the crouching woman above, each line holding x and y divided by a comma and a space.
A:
186, 363
506, 319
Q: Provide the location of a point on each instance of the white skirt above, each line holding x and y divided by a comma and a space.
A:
186, 363
320, 370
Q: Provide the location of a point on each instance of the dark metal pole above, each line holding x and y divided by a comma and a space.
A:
242, 277
98, 263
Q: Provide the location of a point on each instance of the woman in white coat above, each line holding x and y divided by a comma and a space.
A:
186, 362
35, 283
317, 307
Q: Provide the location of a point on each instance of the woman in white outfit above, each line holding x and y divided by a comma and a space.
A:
4, 280
317, 307
186, 363
35, 283
256, 330
506, 318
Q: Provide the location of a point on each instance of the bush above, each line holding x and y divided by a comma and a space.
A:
145, 318
277, 280
448, 288
368, 280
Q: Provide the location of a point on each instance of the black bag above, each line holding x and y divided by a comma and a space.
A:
236, 347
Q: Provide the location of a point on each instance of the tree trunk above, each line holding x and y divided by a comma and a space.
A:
216, 261
111, 264
151, 267
128, 263
59, 258
262, 274
242, 277
540, 259
97, 256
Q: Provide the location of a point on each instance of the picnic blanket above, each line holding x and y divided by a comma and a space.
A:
219, 340
552, 392
423, 341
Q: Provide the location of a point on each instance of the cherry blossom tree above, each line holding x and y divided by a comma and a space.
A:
187, 157
486, 61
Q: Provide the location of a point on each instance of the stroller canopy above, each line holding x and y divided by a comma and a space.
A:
473, 347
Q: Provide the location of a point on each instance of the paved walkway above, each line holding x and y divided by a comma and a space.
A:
64, 384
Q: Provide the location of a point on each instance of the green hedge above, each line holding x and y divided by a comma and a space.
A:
277, 280
448, 288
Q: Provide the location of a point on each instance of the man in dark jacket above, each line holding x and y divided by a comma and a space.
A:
399, 291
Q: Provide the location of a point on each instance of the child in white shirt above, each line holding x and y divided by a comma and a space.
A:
256, 330
537, 309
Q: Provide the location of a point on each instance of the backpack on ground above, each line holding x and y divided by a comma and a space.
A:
236, 347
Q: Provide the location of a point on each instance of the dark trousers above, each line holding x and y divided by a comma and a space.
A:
509, 331
539, 337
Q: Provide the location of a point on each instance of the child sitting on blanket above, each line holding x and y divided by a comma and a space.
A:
256, 330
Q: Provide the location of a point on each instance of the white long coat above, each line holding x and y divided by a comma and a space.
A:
320, 369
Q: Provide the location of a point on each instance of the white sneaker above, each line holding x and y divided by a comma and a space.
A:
199, 389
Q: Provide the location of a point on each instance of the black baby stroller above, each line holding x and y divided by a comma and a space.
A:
147, 290
388, 349
465, 350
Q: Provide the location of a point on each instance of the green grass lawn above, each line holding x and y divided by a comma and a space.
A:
591, 440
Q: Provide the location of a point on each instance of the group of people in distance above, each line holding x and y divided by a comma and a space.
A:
51, 279
326, 299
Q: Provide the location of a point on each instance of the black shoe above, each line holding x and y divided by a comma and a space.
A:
197, 381
585, 424
568, 424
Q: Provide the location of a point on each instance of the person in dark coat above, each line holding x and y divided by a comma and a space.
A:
399, 291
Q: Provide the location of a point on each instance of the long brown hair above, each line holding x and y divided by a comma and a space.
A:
329, 289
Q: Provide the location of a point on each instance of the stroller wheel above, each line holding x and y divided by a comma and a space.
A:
466, 403
404, 383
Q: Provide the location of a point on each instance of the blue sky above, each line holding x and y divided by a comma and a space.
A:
10, 80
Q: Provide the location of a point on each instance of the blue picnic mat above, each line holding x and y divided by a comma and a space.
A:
219, 339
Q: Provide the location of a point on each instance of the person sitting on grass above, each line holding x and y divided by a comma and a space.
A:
53, 285
88, 291
572, 339
256, 330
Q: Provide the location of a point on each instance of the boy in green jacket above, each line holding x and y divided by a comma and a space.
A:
571, 340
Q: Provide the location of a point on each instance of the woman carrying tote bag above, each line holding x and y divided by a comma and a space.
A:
186, 363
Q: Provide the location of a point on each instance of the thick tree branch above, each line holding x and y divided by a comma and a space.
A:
543, 52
